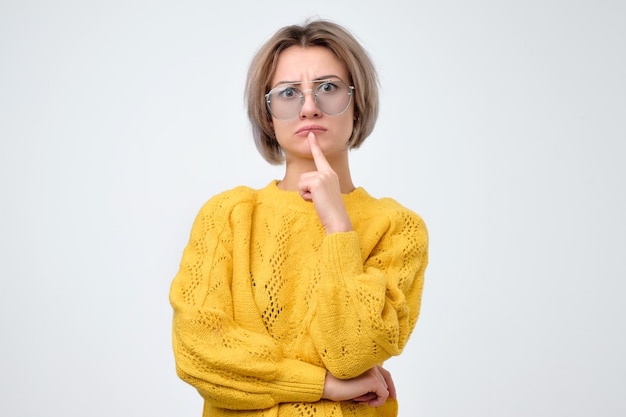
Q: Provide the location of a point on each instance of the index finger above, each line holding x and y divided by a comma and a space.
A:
318, 156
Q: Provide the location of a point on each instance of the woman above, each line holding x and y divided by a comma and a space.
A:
290, 298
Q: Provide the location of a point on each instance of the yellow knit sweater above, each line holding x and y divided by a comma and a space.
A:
265, 302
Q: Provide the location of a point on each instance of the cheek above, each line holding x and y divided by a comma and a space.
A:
281, 130
347, 126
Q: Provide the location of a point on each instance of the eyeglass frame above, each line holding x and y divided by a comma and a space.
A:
351, 89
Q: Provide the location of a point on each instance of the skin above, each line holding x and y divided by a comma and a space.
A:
328, 146
316, 155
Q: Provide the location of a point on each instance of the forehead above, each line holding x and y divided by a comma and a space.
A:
297, 64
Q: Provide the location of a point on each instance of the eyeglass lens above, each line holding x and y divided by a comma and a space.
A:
286, 101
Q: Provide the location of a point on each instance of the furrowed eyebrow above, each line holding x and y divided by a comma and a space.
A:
317, 80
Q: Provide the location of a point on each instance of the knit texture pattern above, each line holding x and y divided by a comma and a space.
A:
265, 302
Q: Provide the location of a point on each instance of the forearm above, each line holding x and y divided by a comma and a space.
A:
235, 373
291, 382
364, 314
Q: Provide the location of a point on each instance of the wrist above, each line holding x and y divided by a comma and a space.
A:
339, 226
327, 391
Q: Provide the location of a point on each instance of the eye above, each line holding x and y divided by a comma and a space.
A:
287, 93
327, 87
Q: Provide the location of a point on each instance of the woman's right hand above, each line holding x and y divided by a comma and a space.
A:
372, 387
323, 189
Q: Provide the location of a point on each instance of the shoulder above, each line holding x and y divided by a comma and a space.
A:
395, 214
386, 223
406, 228
402, 215
228, 199
219, 209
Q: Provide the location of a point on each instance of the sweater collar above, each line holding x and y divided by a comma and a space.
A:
293, 199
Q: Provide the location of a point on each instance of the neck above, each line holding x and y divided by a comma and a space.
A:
294, 169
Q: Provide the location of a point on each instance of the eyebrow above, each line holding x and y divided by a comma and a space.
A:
317, 80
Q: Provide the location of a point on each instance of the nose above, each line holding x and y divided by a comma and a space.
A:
309, 106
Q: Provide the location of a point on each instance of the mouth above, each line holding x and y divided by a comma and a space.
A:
304, 131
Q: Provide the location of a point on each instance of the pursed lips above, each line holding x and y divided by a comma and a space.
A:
304, 131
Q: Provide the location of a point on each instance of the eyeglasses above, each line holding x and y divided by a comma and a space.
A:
331, 96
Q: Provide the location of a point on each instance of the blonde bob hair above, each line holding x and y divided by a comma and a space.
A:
323, 33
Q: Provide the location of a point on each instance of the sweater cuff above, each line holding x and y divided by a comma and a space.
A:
298, 381
343, 252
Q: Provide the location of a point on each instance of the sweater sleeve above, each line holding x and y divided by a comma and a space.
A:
368, 302
231, 366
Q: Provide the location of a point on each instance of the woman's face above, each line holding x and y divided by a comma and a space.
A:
306, 67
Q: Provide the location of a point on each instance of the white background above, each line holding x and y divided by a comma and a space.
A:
503, 124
